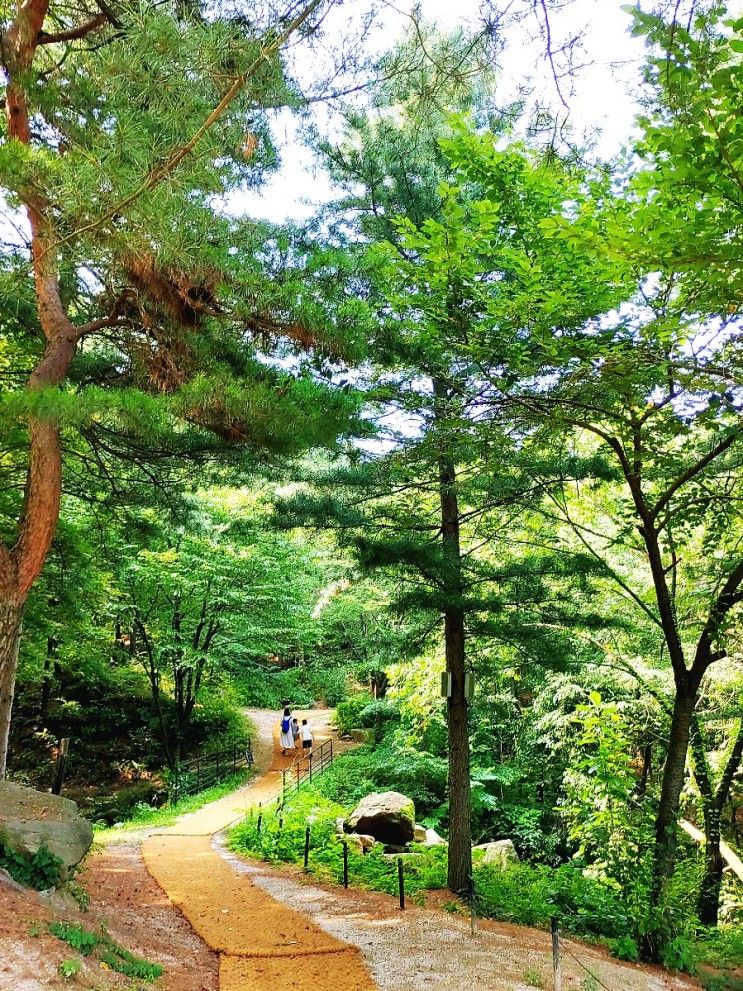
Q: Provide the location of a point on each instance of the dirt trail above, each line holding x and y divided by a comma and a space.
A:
262, 943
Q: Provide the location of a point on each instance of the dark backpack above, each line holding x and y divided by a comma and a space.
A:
286, 724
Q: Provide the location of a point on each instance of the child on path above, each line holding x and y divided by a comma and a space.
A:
287, 740
306, 736
295, 731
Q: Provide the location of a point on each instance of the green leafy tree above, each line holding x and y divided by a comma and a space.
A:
135, 312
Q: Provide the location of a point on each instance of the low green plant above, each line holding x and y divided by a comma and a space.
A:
80, 895
418, 775
348, 714
69, 968
76, 936
40, 870
124, 962
107, 950
678, 954
533, 978
589, 983
625, 948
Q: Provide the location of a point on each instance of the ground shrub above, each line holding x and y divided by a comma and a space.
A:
40, 870
106, 949
348, 714
418, 775
532, 894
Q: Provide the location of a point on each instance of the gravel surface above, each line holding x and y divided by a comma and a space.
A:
426, 949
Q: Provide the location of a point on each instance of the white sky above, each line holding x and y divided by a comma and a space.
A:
602, 102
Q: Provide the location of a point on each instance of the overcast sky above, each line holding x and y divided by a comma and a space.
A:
601, 96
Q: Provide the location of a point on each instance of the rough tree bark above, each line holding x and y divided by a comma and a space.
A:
20, 565
460, 832
713, 803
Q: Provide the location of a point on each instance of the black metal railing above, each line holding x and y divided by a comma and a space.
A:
205, 770
305, 768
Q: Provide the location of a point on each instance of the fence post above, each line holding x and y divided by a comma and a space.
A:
473, 907
310, 762
260, 817
306, 847
556, 954
401, 882
345, 863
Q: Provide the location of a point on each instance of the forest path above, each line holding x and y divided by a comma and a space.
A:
261, 941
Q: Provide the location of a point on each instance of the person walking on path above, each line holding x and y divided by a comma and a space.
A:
306, 736
295, 732
287, 740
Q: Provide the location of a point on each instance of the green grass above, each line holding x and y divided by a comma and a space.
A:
145, 817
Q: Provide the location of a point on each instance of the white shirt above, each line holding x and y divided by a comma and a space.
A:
306, 733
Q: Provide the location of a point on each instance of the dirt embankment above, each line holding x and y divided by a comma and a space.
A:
132, 908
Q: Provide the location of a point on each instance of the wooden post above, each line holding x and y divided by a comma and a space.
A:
345, 863
59, 767
401, 882
306, 847
260, 817
310, 763
556, 954
473, 907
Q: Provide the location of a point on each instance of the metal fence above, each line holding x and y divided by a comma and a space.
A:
209, 769
306, 767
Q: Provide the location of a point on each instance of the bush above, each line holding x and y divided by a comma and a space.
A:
40, 870
388, 767
532, 895
348, 714
217, 721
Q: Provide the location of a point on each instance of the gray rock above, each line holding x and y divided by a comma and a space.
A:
362, 735
500, 852
340, 825
433, 839
419, 833
388, 816
31, 819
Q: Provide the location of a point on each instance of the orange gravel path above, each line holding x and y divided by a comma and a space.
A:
263, 943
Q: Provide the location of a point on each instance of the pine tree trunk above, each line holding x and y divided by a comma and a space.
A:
709, 893
460, 830
672, 783
460, 833
11, 615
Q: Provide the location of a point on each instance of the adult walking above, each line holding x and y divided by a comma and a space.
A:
287, 740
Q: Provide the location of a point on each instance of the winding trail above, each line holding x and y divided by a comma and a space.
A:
262, 942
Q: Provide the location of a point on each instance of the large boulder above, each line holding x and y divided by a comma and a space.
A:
388, 816
500, 852
31, 819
